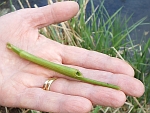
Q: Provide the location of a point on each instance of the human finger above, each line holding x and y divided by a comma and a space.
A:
50, 14
48, 101
94, 60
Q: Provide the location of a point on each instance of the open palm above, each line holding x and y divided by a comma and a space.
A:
21, 81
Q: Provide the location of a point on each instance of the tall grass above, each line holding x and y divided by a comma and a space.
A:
109, 34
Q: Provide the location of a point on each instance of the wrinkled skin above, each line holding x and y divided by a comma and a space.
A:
21, 81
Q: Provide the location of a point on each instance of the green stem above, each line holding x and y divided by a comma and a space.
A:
68, 71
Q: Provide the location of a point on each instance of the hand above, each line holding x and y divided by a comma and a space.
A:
21, 81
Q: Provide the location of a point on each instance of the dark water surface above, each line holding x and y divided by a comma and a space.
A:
139, 9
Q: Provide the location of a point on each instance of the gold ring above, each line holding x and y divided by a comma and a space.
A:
48, 83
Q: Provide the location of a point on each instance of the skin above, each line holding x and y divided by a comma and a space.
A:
21, 81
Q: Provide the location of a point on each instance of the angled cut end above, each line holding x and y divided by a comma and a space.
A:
13, 48
8, 45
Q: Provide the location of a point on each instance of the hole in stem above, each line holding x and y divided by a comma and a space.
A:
79, 74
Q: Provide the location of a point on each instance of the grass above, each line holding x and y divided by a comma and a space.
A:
109, 34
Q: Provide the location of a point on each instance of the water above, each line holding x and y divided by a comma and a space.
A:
139, 9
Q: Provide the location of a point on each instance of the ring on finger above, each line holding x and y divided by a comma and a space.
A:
48, 83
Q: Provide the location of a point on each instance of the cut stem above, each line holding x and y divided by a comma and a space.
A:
68, 71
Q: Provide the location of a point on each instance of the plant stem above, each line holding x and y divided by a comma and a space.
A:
68, 71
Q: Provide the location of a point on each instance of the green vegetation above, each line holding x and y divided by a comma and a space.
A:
109, 34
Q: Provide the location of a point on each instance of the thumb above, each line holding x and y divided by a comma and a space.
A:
55, 13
